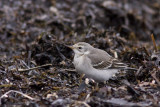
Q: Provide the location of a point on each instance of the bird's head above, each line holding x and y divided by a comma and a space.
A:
81, 48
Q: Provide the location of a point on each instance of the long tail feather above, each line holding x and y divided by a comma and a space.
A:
129, 68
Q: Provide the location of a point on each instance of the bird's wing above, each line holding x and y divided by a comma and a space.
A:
115, 63
103, 61
109, 64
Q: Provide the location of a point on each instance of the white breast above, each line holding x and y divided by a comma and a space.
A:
80, 63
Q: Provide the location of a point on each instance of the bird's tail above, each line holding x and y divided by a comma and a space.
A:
129, 68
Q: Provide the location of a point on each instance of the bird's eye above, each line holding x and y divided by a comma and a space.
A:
79, 47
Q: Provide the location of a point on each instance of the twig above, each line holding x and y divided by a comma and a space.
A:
25, 64
154, 43
28, 67
69, 70
22, 70
154, 76
81, 102
61, 55
87, 97
139, 69
29, 58
25, 95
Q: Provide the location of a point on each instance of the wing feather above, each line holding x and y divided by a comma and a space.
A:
102, 60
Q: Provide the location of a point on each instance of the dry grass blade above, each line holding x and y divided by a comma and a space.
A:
25, 95
22, 70
153, 74
78, 103
154, 43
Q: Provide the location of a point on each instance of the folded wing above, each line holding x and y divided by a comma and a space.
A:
102, 60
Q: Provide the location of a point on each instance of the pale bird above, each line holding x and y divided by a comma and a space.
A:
95, 63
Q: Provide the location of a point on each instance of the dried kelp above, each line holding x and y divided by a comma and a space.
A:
36, 65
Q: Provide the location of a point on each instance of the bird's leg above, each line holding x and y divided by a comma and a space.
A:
82, 84
81, 76
82, 87
96, 87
